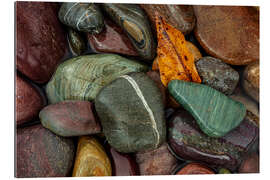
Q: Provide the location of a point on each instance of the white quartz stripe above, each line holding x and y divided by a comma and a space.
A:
139, 93
69, 10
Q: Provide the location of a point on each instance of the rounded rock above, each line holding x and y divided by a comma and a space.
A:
195, 168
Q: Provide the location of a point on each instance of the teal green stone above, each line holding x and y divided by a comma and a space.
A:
81, 78
215, 113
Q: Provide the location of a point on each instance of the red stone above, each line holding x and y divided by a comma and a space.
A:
40, 40
29, 101
229, 33
250, 164
195, 168
111, 40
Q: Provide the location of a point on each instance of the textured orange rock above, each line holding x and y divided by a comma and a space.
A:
91, 159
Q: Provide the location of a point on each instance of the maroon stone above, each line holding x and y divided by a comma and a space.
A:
40, 40
29, 101
250, 164
179, 16
40, 153
123, 164
156, 162
229, 33
111, 40
70, 118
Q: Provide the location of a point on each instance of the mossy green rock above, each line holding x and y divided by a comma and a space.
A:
131, 112
215, 113
81, 78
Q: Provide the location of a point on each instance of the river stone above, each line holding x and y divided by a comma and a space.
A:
91, 159
251, 80
195, 168
156, 162
188, 142
215, 113
223, 171
40, 153
111, 40
217, 74
29, 101
250, 164
179, 16
229, 33
70, 118
132, 113
194, 51
40, 40
81, 78
76, 42
123, 164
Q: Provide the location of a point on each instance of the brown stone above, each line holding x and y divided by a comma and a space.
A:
70, 118
111, 40
156, 162
29, 101
229, 33
180, 16
91, 159
195, 168
250, 164
251, 80
40, 153
40, 40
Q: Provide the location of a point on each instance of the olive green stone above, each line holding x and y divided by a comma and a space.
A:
81, 78
223, 171
215, 113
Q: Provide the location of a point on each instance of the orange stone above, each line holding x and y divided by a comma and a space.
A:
195, 168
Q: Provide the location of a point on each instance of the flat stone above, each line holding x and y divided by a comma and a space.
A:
250, 164
156, 162
81, 78
40, 153
91, 159
111, 40
229, 33
215, 113
40, 40
179, 16
132, 113
29, 101
188, 142
195, 168
217, 74
70, 118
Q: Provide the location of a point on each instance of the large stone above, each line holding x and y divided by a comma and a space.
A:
40, 40
70, 118
195, 168
82, 77
188, 142
156, 162
111, 40
215, 113
229, 33
217, 74
91, 159
29, 101
40, 153
132, 113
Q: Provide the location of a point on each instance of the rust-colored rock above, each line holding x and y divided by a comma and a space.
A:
111, 40
180, 16
195, 168
156, 162
70, 118
229, 33
250, 164
40, 153
91, 159
29, 101
40, 40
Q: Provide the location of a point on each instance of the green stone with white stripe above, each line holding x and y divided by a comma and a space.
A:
132, 113
215, 113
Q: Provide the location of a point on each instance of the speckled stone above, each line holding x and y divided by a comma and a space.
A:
81, 78
70, 118
217, 74
229, 33
40, 153
195, 168
215, 113
156, 162
132, 113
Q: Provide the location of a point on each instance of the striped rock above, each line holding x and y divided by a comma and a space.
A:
195, 168
132, 113
215, 113
82, 77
